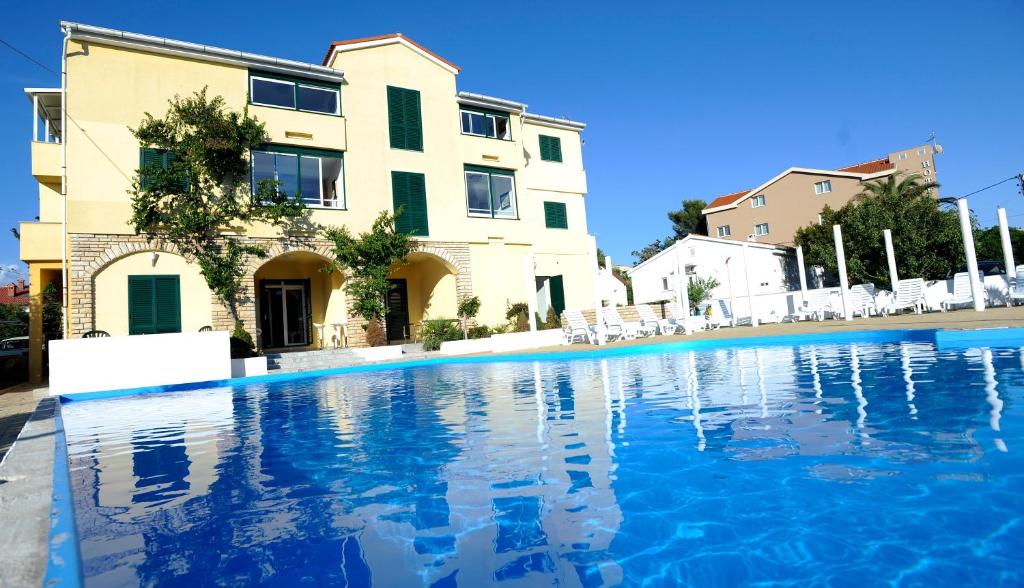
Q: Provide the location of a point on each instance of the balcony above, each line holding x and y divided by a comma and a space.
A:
301, 129
46, 161
40, 241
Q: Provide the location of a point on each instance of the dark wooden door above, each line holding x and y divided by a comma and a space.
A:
398, 311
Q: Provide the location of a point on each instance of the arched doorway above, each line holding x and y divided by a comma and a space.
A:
423, 289
293, 297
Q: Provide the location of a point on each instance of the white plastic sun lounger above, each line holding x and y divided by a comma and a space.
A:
1017, 289
814, 306
576, 328
666, 326
728, 316
961, 292
620, 329
909, 294
862, 299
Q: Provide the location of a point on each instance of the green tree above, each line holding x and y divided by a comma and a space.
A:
53, 314
688, 219
203, 193
699, 289
468, 309
368, 259
988, 244
926, 238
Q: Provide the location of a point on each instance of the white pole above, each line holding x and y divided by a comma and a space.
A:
682, 292
608, 283
894, 278
35, 117
732, 295
803, 273
972, 262
844, 283
1004, 237
530, 283
598, 313
750, 287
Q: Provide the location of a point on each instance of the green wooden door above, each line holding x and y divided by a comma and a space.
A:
557, 291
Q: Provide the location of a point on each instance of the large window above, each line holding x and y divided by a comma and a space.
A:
308, 96
823, 187
483, 123
490, 192
757, 201
317, 177
405, 123
724, 231
550, 148
154, 304
761, 229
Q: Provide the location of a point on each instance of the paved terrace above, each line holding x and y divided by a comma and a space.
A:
27, 468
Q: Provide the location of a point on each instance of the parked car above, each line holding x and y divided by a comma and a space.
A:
986, 267
14, 347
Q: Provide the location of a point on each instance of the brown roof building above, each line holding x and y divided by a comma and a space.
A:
14, 293
772, 212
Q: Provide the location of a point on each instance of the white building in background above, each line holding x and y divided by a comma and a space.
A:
613, 288
773, 270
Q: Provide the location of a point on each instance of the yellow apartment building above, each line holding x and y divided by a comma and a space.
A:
493, 194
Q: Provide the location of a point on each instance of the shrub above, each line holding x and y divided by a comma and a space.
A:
553, 321
438, 331
480, 332
468, 309
518, 315
242, 345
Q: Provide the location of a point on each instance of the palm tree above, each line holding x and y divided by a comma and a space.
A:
901, 185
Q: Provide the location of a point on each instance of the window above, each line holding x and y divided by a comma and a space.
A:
315, 176
484, 123
490, 192
296, 94
724, 231
153, 160
664, 283
409, 194
922, 151
154, 305
821, 219
757, 201
555, 216
823, 187
761, 229
903, 155
405, 124
550, 148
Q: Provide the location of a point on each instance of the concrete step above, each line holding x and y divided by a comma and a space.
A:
321, 359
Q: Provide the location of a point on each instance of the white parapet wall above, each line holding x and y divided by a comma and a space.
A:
527, 340
249, 366
118, 363
383, 353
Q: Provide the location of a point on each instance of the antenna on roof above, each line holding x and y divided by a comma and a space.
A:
937, 148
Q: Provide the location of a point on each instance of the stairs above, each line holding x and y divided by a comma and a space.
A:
323, 359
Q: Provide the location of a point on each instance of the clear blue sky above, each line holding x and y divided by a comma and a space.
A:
681, 102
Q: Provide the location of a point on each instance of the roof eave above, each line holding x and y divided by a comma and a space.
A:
165, 46
550, 121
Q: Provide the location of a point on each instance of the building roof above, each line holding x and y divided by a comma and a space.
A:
727, 198
388, 40
862, 171
869, 167
196, 51
14, 293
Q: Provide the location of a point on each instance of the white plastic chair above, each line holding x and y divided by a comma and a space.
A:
1017, 289
961, 292
814, 306
576, 328
618, 328
909, 294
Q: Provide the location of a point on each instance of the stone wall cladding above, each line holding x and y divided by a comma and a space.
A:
91, 253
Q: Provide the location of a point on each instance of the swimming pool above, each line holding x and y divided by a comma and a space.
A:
849, 464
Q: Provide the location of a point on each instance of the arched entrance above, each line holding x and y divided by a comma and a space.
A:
425, 288
293, 297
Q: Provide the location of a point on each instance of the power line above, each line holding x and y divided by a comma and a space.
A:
27, 56
992, 186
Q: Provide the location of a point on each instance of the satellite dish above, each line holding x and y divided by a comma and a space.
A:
938, 149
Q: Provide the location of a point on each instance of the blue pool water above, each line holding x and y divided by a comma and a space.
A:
855, 464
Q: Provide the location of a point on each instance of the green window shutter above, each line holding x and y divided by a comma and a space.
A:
409, 192
405, 122
154, 305
550, 148
148, 157
167, 301
141, 310
557, 291
555, 216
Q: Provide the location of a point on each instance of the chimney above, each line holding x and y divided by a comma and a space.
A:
21, 284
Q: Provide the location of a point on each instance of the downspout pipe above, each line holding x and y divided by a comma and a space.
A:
65, 275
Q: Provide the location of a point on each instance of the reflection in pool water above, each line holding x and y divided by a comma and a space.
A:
853, 464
